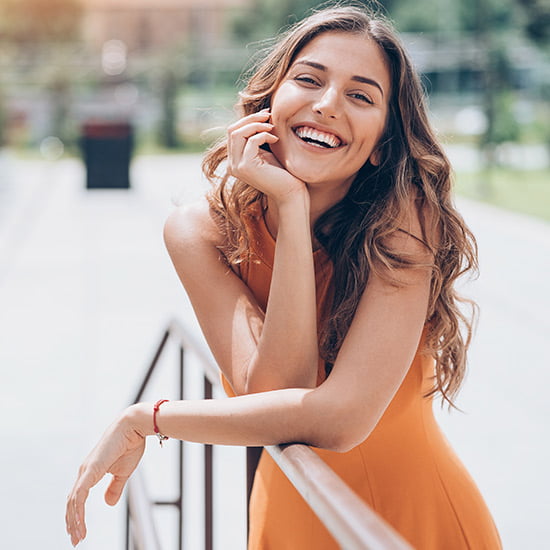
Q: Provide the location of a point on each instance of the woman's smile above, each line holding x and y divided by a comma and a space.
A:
317, 137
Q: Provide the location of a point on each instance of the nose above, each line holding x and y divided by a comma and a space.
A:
327, 103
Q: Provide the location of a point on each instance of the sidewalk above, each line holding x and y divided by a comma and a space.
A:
86, 289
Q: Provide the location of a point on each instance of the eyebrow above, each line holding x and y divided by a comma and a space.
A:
356, 78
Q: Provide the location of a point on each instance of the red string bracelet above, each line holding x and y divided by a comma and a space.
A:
156, 408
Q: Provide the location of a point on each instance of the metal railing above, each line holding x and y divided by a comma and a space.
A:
351, 522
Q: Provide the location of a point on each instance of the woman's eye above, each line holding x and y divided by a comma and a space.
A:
361, 97
306, 80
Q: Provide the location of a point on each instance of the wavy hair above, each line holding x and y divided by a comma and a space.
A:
413, 168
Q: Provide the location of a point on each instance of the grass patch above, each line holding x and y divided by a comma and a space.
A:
522, 191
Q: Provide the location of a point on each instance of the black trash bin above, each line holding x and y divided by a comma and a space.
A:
107, 150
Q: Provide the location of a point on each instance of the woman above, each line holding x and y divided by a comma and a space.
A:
321, 269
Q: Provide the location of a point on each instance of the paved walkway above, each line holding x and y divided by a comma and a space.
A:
86, 289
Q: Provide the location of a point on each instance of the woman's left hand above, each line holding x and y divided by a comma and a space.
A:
118, 453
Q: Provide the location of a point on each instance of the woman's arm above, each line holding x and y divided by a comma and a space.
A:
373, 361
255, 351
339, 414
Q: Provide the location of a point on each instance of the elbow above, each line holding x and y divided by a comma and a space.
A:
345, 440
336, 425
346, 444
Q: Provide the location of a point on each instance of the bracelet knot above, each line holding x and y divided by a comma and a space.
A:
156, 408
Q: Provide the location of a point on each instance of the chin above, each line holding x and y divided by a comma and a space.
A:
307, 174
304, 175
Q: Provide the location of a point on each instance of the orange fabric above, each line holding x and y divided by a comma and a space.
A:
405, 470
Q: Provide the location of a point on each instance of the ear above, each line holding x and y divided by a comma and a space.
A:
374, 158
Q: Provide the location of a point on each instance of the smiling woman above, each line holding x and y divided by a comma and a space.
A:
321, 268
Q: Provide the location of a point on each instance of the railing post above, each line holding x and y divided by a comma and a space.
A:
152, 366
180, 450
252, 458
127, 545
208, 496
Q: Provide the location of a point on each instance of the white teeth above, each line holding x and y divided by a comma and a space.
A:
305, 132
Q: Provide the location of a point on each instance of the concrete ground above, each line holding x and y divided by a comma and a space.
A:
86, 289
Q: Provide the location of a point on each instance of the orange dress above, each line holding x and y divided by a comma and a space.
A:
405, 470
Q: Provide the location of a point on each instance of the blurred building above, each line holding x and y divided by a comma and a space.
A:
146, 26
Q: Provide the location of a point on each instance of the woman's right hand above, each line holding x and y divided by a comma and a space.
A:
118, 452
254, 165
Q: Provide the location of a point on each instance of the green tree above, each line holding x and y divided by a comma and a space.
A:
537, 25
537, 28
168, 133
267, 17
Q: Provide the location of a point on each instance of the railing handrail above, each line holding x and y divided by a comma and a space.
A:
349, 519
352, 523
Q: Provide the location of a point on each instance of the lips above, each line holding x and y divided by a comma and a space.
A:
317, 137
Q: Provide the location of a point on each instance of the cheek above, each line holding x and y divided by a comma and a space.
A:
372, 131
285, 101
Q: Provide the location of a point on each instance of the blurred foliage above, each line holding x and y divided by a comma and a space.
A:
168, 135
32, 22
525, 191
3, 119
267, 17
538, 20
170, 80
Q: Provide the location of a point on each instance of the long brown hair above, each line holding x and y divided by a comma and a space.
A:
412, 166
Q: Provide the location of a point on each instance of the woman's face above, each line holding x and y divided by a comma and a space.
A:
330, 110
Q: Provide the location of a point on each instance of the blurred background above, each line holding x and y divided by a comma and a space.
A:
105, 107
171, 69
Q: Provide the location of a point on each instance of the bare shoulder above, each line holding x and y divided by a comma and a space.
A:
191, 226
417, 231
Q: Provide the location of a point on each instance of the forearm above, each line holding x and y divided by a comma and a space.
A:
287, 352
274, 417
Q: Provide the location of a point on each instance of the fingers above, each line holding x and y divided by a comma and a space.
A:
253, 144
252, 161
241, 131
75, 513
76, 501
260, 116
239, 138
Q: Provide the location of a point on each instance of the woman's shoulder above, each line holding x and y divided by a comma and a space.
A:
191, 225
414, 229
